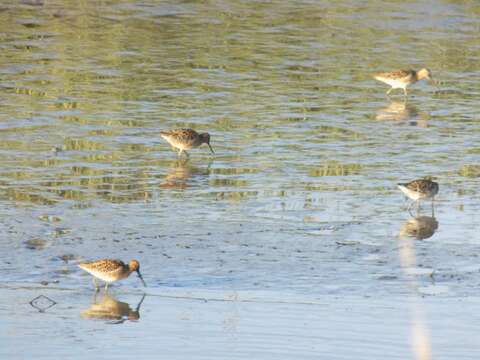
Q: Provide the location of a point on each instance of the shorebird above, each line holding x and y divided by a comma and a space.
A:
419, 190
186, 139
109, 270
402, 78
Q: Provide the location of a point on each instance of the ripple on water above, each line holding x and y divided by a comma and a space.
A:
308, 148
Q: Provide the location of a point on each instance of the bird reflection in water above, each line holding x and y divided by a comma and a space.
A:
109, 308
179, 174
420, 227
402, 111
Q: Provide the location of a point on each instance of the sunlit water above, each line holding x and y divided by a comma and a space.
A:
300, 197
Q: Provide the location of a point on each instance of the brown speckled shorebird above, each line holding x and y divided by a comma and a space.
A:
402, 78
186, 139
419, 190
109, 270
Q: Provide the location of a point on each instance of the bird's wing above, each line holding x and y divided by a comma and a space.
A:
104, 265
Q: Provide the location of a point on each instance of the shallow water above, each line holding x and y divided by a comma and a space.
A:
238, 325
300, 197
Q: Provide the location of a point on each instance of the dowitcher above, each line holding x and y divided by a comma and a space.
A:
109, 270
186, 139
402, 78
419, 189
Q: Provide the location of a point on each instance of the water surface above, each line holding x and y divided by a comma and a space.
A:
300, 198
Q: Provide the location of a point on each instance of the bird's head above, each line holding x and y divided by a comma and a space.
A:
134, 265
205, 137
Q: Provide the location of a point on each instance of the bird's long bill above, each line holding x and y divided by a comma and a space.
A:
141, 278
210, 146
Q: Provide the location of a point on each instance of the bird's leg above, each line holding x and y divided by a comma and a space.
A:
95, 283
95, 297
186, 153
405, 91
409, 209
389, 91
409, 206
180, 152
106, 286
